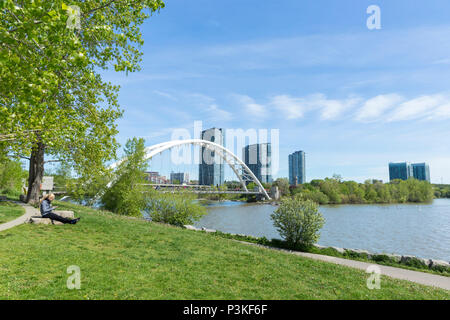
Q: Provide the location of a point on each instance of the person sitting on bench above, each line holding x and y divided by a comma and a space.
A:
47, 210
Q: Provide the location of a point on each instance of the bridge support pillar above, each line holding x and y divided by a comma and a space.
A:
275, 193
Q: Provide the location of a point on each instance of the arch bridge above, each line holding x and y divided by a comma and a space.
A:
240, 169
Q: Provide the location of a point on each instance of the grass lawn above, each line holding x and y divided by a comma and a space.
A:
9, 211
123, 258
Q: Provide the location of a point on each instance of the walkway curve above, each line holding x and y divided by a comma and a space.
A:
29, 212
424, 278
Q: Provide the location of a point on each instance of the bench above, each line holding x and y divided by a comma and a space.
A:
41, 220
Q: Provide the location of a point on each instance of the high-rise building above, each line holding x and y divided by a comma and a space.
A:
297, 173
211, 168
421, 171
179, 178
402, 170
258, 157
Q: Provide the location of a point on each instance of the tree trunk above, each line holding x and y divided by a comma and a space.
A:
36, 173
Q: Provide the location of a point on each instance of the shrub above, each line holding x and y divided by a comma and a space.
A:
175, 209
12, 176
127, 195
298, 221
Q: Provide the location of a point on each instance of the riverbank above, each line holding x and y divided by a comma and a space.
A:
421, 230
126, 258
431, 266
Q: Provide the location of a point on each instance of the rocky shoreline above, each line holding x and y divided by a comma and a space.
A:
407, 260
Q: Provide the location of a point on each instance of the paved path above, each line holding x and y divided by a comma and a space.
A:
29, 212
424, 278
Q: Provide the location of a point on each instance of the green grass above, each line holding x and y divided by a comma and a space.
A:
378, 259
123, 258
9, 211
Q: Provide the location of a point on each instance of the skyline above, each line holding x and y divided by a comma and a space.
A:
354, 99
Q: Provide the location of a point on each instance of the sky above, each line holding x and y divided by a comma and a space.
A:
353, 99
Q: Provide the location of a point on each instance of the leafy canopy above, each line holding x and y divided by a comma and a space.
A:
50, 87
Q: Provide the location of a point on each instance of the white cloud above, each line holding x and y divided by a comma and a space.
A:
332, 109
373, 108
165, 95
417, 107
293, 108
250, 106
218, 114
441, 113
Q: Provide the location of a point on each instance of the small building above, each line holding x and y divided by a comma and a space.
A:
179, 178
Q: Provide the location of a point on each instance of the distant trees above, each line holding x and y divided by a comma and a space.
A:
442, 191
336, 191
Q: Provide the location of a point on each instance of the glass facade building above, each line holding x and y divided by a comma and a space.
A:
211, 167
179, 178
297, 173
258, 159
402, 171
421, 171
406, 170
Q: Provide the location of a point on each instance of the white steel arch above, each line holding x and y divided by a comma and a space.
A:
229, 157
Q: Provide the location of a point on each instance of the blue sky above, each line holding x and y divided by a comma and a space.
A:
352, 98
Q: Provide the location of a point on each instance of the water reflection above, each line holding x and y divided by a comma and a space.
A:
422, 230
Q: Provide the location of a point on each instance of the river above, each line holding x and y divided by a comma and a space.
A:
421, 230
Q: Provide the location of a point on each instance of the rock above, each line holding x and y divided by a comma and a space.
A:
318, 246
414, 261
358, 253
189, 227
65, 214
394, 257
340, 250
3, 198
386, 257
208, 230
40, 220
439, 264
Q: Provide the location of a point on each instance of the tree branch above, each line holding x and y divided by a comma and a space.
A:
98, 8
50, 161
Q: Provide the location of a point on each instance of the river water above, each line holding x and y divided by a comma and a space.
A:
421, 230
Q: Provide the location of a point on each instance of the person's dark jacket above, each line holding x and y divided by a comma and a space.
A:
46, 207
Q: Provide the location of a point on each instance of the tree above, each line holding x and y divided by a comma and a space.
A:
298, 221
127, 195
283, 186
53, 100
